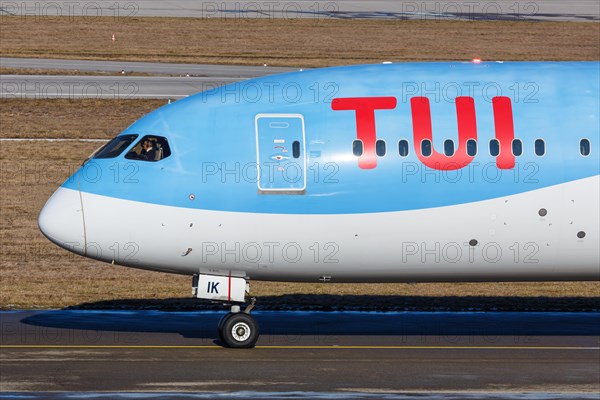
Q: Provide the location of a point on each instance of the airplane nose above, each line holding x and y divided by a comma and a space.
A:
62, 220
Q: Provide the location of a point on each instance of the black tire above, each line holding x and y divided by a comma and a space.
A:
239, 331
221, 322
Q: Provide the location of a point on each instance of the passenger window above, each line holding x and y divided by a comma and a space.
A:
494, 147
296, 149
115, 146
472, 147
449, 147
357, 148
403, 148
540, 147
380, 148
426, 147
517, 147
150, 148
584, 147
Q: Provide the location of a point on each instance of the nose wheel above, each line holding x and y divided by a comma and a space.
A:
238, 330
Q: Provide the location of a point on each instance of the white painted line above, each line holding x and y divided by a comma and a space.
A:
125, 96
50, 140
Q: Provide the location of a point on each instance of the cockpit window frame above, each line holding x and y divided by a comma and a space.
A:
107, 152
160, 143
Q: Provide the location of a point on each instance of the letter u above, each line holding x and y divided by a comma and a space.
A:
467, 129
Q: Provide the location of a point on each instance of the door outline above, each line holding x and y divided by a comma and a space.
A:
298, 190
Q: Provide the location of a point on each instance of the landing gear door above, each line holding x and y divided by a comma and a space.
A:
281, 153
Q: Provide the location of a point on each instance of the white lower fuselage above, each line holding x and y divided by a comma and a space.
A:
515, 241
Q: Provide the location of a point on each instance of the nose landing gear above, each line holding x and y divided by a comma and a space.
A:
237, 329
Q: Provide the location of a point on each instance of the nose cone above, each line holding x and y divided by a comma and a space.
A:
62, 221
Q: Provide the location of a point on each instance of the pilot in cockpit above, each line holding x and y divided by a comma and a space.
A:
150, 148
148, 151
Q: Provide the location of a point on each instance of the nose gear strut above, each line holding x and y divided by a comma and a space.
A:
237, 329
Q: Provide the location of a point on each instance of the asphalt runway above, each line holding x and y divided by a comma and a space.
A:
105, 87
198, 70
303, 355
554, 10
201, 78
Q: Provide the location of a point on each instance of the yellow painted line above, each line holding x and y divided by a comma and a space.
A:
316, 347
94, 346
434, 347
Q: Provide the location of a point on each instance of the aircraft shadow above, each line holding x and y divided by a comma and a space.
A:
194, 319
329, 302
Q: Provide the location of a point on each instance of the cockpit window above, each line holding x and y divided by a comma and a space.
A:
115, 146
150, 148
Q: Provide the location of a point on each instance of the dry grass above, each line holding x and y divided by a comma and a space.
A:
301, 42
71, 72
36, 274
62, 118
